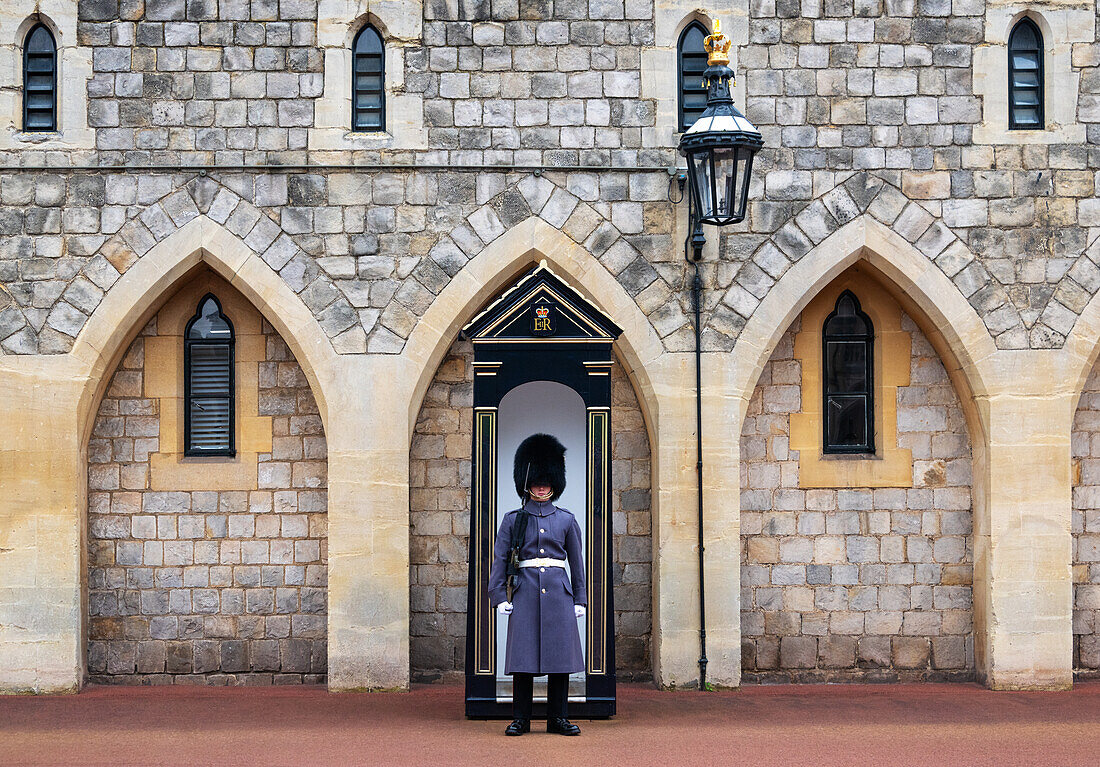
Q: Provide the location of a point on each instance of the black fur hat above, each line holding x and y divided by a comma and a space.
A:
540, 460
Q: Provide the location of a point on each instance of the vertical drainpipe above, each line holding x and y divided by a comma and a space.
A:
693, 251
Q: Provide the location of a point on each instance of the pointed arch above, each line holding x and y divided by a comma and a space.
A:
493, 268
659, 378
923, 290
962, 341
40, 74
691, 61
138, 293
1081, 350
1026, 86
368, 86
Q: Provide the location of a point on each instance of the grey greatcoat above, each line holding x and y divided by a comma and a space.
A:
542, 629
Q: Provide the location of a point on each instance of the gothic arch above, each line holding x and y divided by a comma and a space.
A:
138, 293
957, 332
489, 272
960, 337
658, 377
925, 235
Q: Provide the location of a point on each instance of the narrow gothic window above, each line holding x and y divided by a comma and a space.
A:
368, 90
208, 381
1025, 76
39, 80
847, 365
691, 63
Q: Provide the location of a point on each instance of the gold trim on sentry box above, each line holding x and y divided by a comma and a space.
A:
483, 497
597, 430
547, 340
563, 303
542, 267
598, 368
486, 368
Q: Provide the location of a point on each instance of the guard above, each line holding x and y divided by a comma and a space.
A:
528, 582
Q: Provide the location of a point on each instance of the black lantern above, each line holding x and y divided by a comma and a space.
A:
720, 145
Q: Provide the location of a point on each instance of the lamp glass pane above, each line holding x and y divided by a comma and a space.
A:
1024, 116
725, 169
703, 183
1025, 60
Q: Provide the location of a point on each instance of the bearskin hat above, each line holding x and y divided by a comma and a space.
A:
540, 460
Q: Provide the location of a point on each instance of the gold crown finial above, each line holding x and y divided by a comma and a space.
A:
717, 46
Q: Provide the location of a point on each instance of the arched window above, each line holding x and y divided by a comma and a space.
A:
691, 60
1025, 76
368, 89
208, 381
39, 80
847, 366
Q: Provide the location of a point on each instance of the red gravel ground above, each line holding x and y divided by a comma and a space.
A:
934, 724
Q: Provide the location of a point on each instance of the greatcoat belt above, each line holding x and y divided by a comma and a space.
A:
542, 562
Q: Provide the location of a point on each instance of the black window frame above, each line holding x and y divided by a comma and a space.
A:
189, 449
358, 124
682, 87
27, 88
867, 392
1014, 49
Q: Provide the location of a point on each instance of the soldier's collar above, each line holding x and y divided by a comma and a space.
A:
539, 509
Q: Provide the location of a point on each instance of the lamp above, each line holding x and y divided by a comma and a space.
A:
720, 145
719, 148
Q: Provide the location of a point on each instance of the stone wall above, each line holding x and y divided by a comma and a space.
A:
1086, 529
223, 585
866, 108
439, 468
877, 118
857, 583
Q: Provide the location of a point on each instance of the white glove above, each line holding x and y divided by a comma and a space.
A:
504, 608
578, 610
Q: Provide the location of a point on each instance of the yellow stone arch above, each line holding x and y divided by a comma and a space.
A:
49, 408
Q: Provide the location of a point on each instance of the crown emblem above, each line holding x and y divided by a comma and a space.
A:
718, 46
543, 312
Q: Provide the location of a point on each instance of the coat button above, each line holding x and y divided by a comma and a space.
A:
541, 530
542, 551
542, 570
544, 591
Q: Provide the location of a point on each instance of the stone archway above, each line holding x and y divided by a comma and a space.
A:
52, 407
1022, 586
662, 382
210, 570
857, 569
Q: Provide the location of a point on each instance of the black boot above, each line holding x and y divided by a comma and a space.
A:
562, 726
518, 727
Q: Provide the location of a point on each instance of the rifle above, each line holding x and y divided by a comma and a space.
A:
519, 530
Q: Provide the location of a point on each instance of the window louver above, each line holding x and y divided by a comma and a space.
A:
39, 80
1025, 77
692, 62
208, 353
368, 96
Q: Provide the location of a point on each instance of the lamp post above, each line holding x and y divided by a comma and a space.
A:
719, 147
